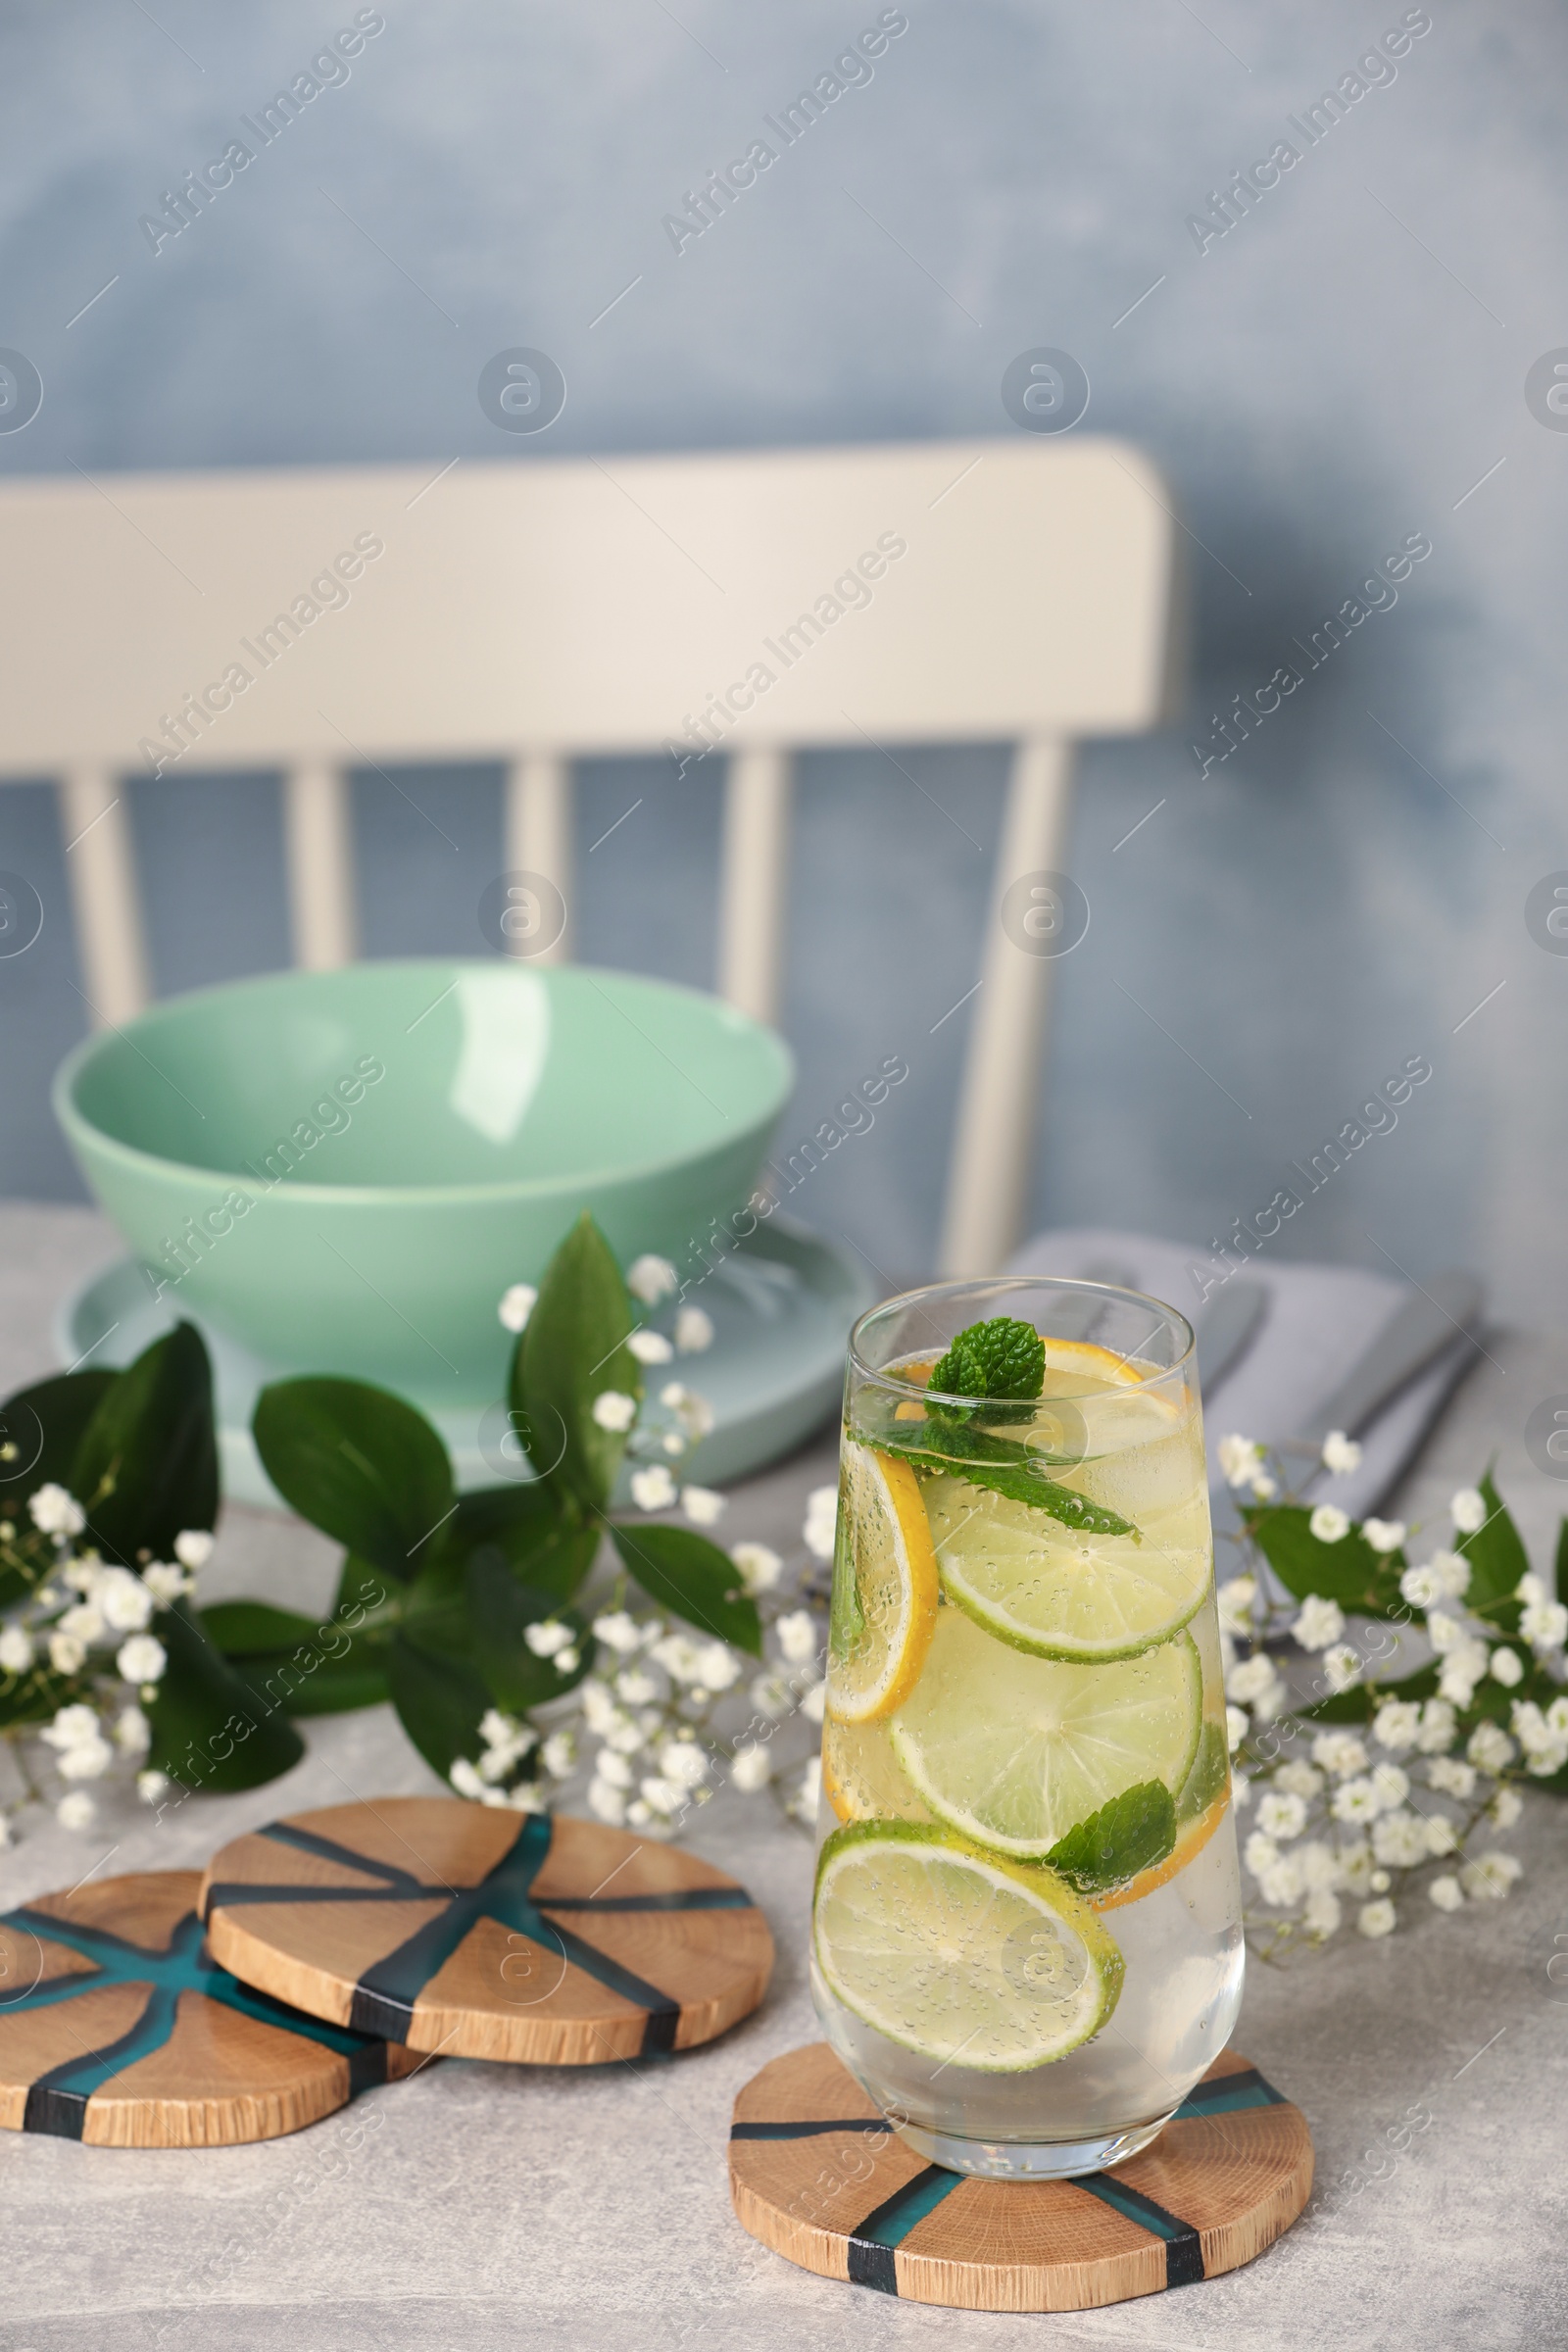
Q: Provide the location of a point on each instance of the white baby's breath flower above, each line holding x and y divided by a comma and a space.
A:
568, 1661
814, 1702
67, 1655
693, 1331
719, 1666
1392, 1784
650, 1279
84, 1623
1236, 1598
1341, 1454
1240, 1460
821, 1522
1505, 1808
620, 1631
193, 1549
152, 1786
608, 1801
1490, 1747
55, 1512
1400, 1839
1320, 1622
89, 1760
696, 1413
141, 1659
1356, 1871
636, 1687
165, 1582
1241, 1791
674, 1442
1250, 1678
663, 1796
751, 1768
124, 1599
75, 1726
1506, 1666
1545, 1624
1452, 1776
1468, 1510
649, 1348
1298, 1779
680, 1657
1264, 1487
1445, 1633
1281, 1815
558, 1754
1440, 1833
1339, 1752
760, 1568
1321, 1913
1281, 1882
547, 1638
615, 1410
1237, 1722
1328, 1524
612, 1769
1396, 1724
704, 1507
1318, 1865
808, 1795
1260, 1853
1374, 1919
76, 1811
1356, 1802
465, 1778
1383, 1535
796, 1636
1488, 1879
1462, 1669
133, 1731
81, 1575
516, 1304
15, 1650
1447, 1894
1341, 1667
653, 1489
1437, 1722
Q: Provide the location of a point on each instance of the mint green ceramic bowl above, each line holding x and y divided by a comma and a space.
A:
344, 1170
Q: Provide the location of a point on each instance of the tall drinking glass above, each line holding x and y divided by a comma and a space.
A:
1026, 1938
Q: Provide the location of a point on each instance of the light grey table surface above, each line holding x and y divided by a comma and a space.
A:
487, 2208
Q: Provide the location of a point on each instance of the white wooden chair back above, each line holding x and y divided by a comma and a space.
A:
728, 608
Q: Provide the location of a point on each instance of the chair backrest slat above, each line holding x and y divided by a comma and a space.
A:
100, 863
538, 833
754, 884
319, 858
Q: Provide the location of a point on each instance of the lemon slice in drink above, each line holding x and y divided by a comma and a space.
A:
1058, 1591
861, 1778
957, 1954
885, 1586
1014, 1750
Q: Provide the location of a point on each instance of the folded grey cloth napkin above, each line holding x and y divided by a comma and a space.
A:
1318, 1322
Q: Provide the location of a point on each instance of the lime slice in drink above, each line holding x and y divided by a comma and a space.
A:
885, 1586
1060, 1592
1016, 1750
957, 1955
863, 1779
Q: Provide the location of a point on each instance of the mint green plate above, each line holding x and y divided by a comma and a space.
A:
781, 1309
343, 1172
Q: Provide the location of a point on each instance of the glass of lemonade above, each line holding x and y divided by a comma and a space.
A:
1026, 1923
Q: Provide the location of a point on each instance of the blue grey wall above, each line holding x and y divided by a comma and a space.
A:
1332, 375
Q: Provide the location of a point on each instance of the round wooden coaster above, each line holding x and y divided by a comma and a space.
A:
487, 1934
117, 2026
820, 2176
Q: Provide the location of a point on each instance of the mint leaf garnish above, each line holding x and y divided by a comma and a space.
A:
1003, 1357
1000, 1464
1134, 1832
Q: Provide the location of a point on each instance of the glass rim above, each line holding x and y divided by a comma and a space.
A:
1022, 1282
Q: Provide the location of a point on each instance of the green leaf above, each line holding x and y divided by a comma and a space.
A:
683, 1572
146, 1465
318, 1684
1351, 1572
500, 1611
250, 1629
440, 1702
56, 1412
526, 1528
1134, 1832
1561, 1563
1362, 1700
37, 1696
1497, 1560
1001, 1358
360, 1464
571, 1353
210, 1731
1000, 1463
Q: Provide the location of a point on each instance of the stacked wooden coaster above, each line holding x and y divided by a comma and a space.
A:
345, 1947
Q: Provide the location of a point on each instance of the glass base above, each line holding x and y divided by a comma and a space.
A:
1030, 2159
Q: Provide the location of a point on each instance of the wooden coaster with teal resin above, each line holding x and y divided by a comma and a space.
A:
817, 2174
117, 2028
482, 1933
